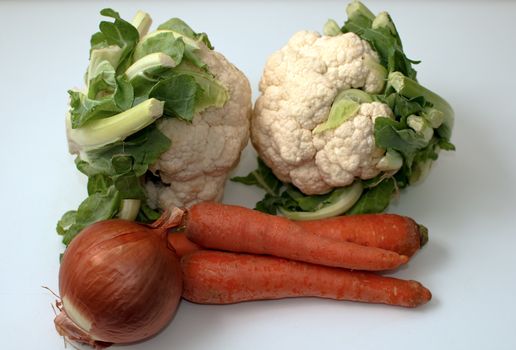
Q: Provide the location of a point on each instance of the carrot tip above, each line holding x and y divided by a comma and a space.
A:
425, 296
428, 295
423, 234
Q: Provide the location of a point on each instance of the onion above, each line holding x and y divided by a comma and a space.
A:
119, 281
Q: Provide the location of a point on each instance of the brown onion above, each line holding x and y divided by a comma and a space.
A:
119, 282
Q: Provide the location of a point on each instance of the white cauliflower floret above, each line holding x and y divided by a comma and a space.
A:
349, 151
196, 166
298, 87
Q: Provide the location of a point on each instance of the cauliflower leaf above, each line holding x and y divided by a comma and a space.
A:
371, 196
381, 33
392, 134
341, 111
179, 93
161, 41
376, 199
84, 108
98, 206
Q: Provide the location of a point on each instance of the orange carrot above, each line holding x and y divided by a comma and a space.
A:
182, 244
393, 232
212, 277
387, 231
238, 229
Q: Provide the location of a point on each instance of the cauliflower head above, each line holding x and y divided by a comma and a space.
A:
202, 153
161, 121
298, 87
342, 122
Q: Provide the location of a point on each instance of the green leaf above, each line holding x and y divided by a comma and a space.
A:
335, 203
375, 199
404, 107
384, 41
179, 93
291, 201
179, 26
120, 33
211, 93
192, 56
269, 204
444, 131
84, 109
390, 134
410, 88
384, 21
98, 206
66, 221
375, 181
122, 163
262, 177
357, 95
114, 174
164, 42
101, 80
110, 13
129, 186
446, 145
124, 93
147, 72
87, 169
99, 183
147, 215
341, 111
422, 162
167, 33
102, 59
302, 202
135, 153
98, 41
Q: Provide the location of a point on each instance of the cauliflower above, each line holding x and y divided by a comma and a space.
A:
196, 166
350, 151
160, 123
342, 122
299, 84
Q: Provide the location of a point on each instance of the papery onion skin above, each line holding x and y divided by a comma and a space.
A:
123, 279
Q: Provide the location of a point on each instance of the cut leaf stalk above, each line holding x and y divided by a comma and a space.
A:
98, 133
411, 89
347, 198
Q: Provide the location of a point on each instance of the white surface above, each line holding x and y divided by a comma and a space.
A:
468, 52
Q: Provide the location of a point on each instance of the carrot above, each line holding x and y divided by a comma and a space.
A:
387, 231
238, 229
212, 277
182, 244
393, 232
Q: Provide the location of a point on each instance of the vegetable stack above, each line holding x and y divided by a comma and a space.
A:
342, 122
121, 281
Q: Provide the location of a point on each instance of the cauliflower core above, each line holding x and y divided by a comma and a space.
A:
196, 166
298, 87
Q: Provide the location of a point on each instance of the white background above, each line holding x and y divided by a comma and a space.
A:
468, 51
